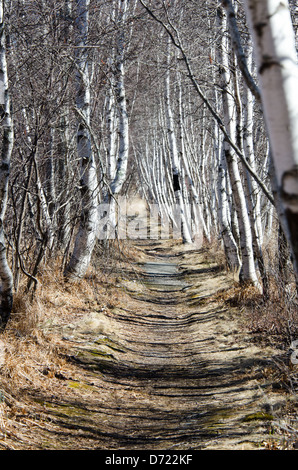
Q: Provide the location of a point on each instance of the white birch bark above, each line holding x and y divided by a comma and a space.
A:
189, 160
63, 222
86, 236
112, 132
238, 49
194, 214
248, 146
118, 124
274, 42
63, 216
248, 271
111, 113
250, 186
230, 245
176, 168
121, 166
7, 145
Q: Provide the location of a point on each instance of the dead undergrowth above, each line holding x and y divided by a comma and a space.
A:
35, 361
273, 322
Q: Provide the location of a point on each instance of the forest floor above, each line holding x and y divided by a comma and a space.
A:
165, 363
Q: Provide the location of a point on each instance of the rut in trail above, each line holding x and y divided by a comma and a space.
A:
169, 369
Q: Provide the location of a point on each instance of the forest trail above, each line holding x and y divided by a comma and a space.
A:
169, 368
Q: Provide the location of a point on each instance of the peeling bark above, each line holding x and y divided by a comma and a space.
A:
6, 277
86, 236
274, 42
248, 271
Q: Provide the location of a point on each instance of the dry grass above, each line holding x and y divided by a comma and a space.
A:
35, 360
240, 296
271, 320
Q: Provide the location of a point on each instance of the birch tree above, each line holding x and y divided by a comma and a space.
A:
118, 121
100, 81
7, 145
176, 164
274, 43
248, 273
229, 242
86, 236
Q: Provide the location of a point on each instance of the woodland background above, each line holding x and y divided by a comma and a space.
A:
119, 98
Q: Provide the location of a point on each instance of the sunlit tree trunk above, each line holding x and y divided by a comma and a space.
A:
63, 148
123, 130
86, 236
248, 271
229, 242
194, 214
251, 188
274, 42
112, 131
176, 164
7, 145
118, 122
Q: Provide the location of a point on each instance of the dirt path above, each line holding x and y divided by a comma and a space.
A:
168, 369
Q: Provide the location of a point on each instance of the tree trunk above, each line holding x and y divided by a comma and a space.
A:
176, 165
121, 166
7, 145
248, 272
86, 236
117, 122
274, 42
230, 245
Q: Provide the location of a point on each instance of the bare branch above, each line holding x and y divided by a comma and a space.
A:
178, 43
238, 49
